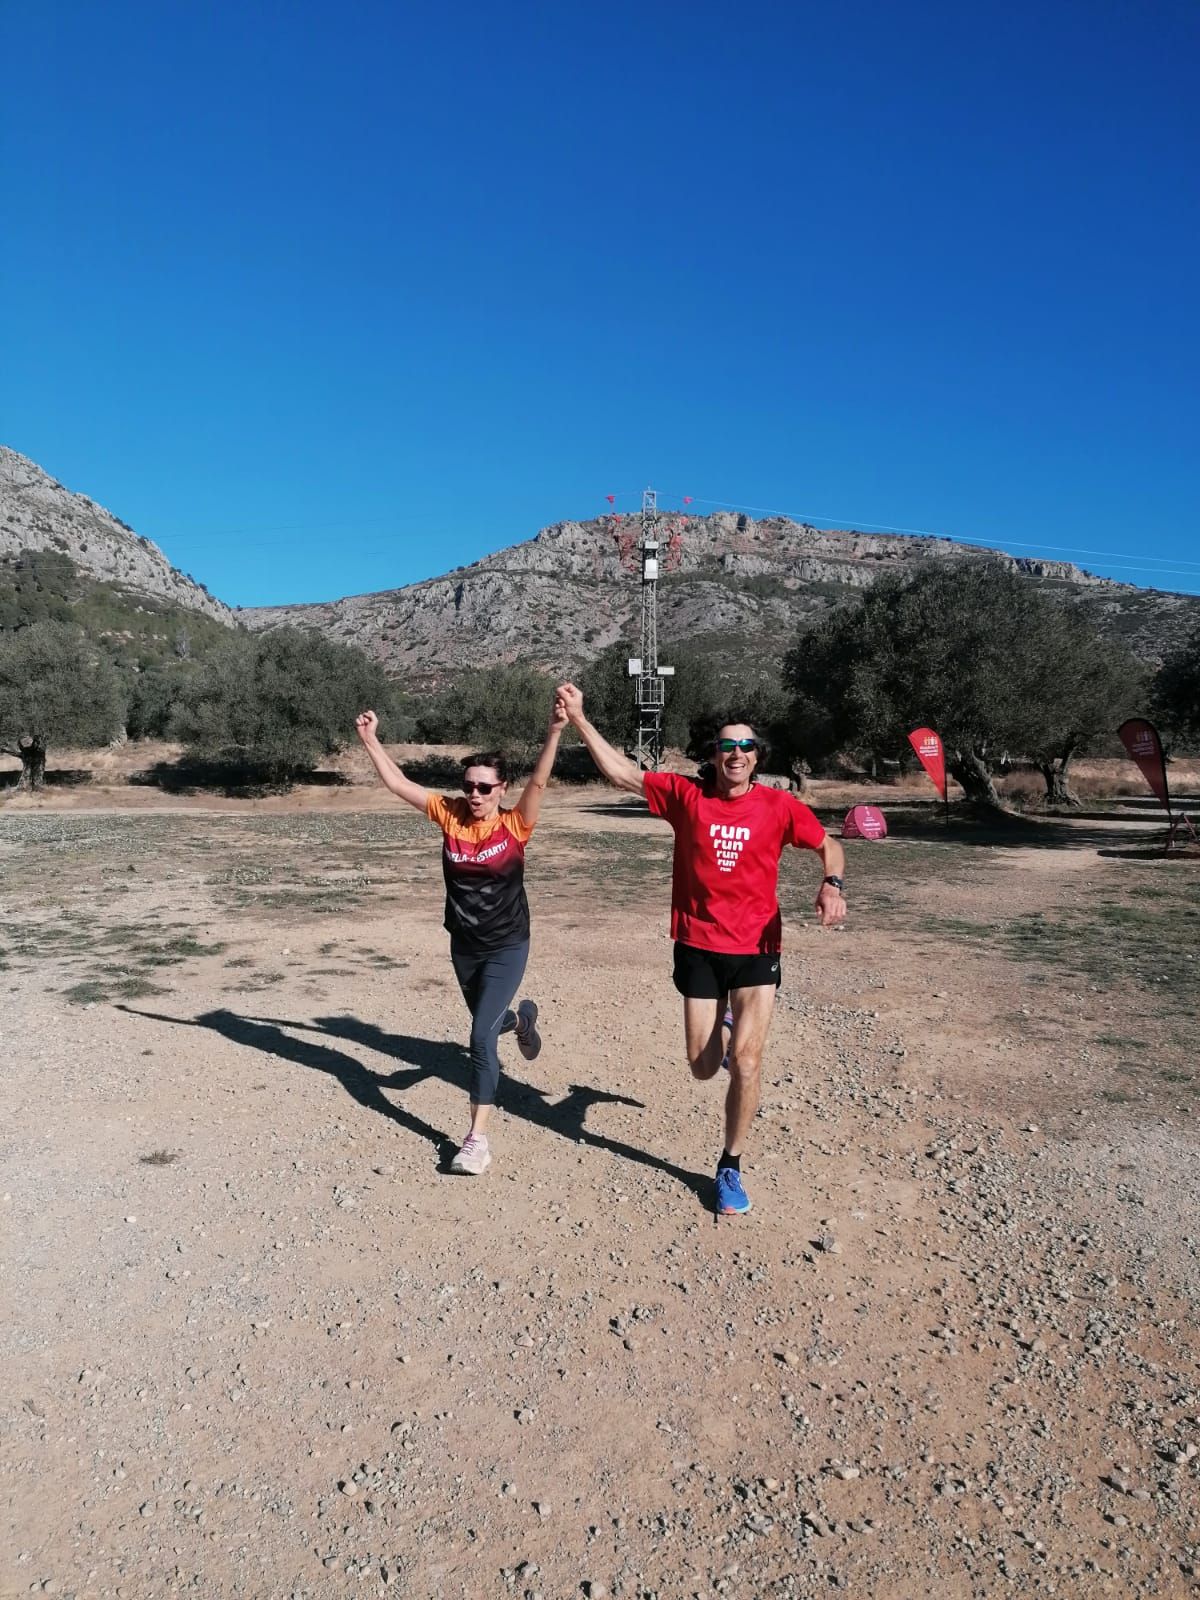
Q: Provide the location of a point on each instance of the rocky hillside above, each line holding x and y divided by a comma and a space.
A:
37, 513
557, 600
560, 598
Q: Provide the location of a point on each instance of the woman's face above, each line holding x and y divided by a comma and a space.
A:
483, 806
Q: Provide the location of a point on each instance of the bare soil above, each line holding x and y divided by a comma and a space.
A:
258, 1342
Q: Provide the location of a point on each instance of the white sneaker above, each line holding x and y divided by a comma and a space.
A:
529, 1040
473, 1158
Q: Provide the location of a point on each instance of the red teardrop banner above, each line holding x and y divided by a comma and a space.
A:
932, 757
1141, 739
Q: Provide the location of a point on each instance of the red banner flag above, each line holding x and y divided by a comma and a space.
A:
864, 822
611, 498
931, 756
1141, 739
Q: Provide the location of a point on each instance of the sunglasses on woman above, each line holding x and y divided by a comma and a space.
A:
726, 745
478, 788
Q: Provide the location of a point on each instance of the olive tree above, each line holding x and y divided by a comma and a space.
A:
56, 687
505, 705
1092, 684
275, 702
707, 684
971, 648
1176, 695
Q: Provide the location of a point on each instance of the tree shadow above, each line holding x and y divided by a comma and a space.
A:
55, 777
980, 828
427, 1058
1006, 831
1188, 854
234, 779
435, 770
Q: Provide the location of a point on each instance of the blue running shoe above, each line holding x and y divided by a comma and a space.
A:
732, 1199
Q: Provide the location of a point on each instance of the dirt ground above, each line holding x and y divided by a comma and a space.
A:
258, 1342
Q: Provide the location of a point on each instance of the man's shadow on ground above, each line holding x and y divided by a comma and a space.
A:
426, 1058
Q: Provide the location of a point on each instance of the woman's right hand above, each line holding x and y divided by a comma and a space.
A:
571, 700
367, 724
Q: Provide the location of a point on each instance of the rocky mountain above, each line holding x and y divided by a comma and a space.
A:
37, 513
560, 598
738, 585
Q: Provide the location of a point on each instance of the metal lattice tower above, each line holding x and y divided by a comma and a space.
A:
649, 688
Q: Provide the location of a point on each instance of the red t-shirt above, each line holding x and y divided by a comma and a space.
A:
724, 882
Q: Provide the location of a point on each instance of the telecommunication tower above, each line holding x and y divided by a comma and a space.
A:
650, 553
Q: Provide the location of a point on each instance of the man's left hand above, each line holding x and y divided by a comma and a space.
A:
830, 906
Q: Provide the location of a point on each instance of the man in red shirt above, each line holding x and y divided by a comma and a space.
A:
729, 836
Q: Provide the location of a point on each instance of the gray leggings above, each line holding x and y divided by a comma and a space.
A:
488, 980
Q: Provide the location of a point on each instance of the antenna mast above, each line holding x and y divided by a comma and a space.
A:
651, 556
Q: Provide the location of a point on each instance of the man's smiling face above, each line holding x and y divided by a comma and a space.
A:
734, 766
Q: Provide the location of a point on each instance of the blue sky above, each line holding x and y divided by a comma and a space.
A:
327, 299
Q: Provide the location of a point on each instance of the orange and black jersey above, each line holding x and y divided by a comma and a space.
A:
483, 864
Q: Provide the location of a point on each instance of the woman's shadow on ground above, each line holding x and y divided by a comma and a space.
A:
424, 1058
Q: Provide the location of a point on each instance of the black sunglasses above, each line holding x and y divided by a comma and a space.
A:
470, 787
726, 745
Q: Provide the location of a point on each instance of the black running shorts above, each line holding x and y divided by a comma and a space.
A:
710, 975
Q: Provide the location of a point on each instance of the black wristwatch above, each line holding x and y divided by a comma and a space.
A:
838, 883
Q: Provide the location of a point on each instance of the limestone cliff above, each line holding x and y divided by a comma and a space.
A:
38, 513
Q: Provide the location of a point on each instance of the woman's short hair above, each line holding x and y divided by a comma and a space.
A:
488, 758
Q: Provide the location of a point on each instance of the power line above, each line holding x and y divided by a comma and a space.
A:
1122, 560
855, 524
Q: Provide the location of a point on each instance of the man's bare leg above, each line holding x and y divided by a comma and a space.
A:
702, 1037
752, 1012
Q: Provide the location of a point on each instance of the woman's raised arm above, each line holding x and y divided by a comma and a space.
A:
530, 803
367, 726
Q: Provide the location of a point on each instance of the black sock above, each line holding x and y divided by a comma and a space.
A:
729, 1161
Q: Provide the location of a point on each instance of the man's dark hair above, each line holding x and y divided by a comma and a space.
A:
488, 758
732, 720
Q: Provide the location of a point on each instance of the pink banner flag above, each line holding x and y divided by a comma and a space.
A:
931, 756
1141, 739
864, 822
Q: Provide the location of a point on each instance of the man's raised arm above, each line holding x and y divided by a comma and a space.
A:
615, 767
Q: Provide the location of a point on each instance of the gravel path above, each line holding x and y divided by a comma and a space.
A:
257, 1343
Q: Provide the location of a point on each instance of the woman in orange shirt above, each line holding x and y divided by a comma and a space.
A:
487, 913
